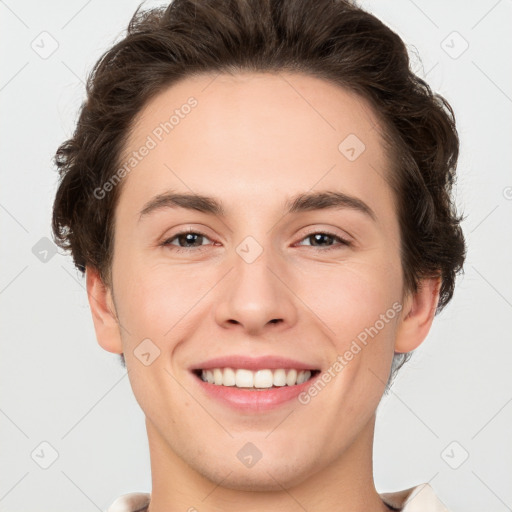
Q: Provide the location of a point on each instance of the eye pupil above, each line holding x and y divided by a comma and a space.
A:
319, 236
189, 237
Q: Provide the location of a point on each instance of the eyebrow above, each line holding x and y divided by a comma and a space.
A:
300, 203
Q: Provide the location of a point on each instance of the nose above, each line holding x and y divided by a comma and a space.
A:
257, 297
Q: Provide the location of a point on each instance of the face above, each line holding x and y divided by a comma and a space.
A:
257, 270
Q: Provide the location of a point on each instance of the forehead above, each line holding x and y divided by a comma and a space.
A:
256, 132
256, 104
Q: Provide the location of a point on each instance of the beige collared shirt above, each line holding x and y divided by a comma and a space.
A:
420, 498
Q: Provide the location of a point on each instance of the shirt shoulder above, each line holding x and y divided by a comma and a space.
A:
131, 502
420, 498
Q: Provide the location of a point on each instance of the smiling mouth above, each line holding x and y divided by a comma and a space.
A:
258, 380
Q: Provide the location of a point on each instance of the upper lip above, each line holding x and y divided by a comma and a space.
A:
253, 363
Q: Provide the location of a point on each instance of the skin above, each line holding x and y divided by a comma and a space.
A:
254, 141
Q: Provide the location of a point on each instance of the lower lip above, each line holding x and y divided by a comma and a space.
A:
255, 400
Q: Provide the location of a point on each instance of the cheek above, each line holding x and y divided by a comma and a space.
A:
352, 296
151, 307
160, 301
359, 304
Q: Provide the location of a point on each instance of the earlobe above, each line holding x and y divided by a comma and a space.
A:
418, 315
104, 318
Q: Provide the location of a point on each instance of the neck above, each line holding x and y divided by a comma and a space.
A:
344, 485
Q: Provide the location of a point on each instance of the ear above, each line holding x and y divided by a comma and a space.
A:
418, 314
103, 315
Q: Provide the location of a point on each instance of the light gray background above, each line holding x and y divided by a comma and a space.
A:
60, 387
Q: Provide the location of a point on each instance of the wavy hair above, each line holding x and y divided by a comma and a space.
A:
334, 40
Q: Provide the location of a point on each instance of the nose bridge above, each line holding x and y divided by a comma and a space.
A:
253, 264
254, 295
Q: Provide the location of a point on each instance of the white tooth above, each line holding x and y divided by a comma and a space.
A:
291, 377
263, 379
279, 377
244, 379
303, 376
229, 378
217, 376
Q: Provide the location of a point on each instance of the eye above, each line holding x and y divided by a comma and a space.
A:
186, 241
320, 238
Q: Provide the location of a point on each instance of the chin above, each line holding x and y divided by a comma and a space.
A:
261, 482
260, 478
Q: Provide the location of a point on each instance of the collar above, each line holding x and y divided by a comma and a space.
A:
420, 498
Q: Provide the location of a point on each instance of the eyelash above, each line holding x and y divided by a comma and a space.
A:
167, 243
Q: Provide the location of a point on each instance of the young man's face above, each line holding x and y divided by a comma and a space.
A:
256, 281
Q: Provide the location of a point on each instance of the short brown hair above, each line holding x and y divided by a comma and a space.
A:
334, 40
